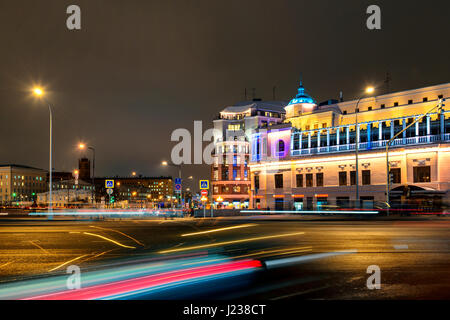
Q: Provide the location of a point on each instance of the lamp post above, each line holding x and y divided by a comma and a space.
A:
368, 90
165, 163
82, 146
39, 93
76, 175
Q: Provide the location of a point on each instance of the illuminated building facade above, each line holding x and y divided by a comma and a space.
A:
20, 184
309, 160
230, 172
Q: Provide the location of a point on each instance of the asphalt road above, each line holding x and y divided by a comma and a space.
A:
326, 259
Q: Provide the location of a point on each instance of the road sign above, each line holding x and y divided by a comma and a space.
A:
109, 183
204, 184
204, 192
204, 199
109, 191
177, 180
178, 187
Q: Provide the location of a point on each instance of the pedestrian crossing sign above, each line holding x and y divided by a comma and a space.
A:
204, 184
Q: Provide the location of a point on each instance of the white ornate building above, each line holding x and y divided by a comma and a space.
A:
309, 160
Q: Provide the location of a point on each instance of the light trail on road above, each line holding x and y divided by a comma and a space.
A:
230, 242
108, 239
219, 229
311, 211
136, 285
67, 262
122, 233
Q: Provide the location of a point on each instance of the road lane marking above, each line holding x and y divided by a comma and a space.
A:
5, 264
67, 262
400, 246
38, 246
285, 261
220, 229
108, 239
230, 242
98, 255
124, 234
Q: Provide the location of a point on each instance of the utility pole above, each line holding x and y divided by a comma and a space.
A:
439, 106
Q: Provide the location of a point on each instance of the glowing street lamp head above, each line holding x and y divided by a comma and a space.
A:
164, 163
38, 91
133, 173
81, 146
370, 90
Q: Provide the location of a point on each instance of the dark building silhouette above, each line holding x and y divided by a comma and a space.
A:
60, 176
84, 168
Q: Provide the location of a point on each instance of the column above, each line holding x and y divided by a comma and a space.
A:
328, 139
358, 136
380, 131
348, 136
404, 132
292, 143
300, 141
318, 139
442, 118
338, 132
309, 140
428, 128
369, 135
392, 129
417, 131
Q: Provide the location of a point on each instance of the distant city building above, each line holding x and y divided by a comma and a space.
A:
21, 184
84, 169
230, 173
309, 160
68, 193
137, 188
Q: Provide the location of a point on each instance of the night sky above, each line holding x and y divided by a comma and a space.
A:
137, 70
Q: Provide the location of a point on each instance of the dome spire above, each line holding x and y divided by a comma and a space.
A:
302, 96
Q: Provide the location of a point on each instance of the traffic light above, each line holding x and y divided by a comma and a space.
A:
111, 200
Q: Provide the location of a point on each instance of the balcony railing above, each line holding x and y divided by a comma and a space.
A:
379, 144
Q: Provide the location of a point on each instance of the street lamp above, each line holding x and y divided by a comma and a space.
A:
165, 163
369, 90
83, 146
39, 92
